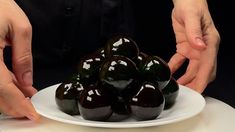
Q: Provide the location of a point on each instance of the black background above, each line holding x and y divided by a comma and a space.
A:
223, 87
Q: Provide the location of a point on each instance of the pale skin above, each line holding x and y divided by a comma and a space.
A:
196, 36
197, 40
16, 31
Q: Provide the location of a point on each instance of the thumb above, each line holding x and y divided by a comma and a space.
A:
22, 58
194, 32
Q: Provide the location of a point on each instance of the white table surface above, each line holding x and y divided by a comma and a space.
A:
216, 117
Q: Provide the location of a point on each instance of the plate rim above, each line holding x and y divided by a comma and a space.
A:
136, 124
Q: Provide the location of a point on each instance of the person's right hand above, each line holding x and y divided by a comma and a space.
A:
16, 86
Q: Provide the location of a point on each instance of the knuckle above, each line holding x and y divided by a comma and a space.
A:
25, 30
23, 59
215, 34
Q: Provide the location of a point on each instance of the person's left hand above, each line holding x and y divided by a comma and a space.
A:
197, 40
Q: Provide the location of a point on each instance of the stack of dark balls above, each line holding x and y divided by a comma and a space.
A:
118, 79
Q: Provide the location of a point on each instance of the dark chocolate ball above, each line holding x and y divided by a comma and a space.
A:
148, 102
121, 45
118, 72
155, 69
95, 103
171, 92
89, 67
67, 93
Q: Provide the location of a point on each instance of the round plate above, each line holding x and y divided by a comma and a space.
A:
188, 104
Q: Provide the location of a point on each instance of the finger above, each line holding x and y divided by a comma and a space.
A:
186, 50
198, 84
6, 109
22, 57
28, 91
176, 62
205, 75
13, 97
194, 31
2, 46
1, 54
189, 74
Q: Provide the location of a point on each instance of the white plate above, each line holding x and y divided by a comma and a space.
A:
188, 104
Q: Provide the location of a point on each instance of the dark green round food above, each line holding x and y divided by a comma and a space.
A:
148, 102
121, 45
170, 92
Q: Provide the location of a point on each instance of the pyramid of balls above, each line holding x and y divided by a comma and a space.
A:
118, 79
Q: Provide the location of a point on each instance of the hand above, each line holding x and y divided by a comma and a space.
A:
197, 40
15, 30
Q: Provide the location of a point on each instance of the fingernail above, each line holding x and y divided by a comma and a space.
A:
200, 42
28, 79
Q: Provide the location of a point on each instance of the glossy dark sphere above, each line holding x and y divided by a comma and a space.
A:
95, 103
121, 106
100, 51
122, 45
157, 70
119, 103
171, 92
131, 90
118, 72
66, 96
89, 67
141, 59
148, 103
